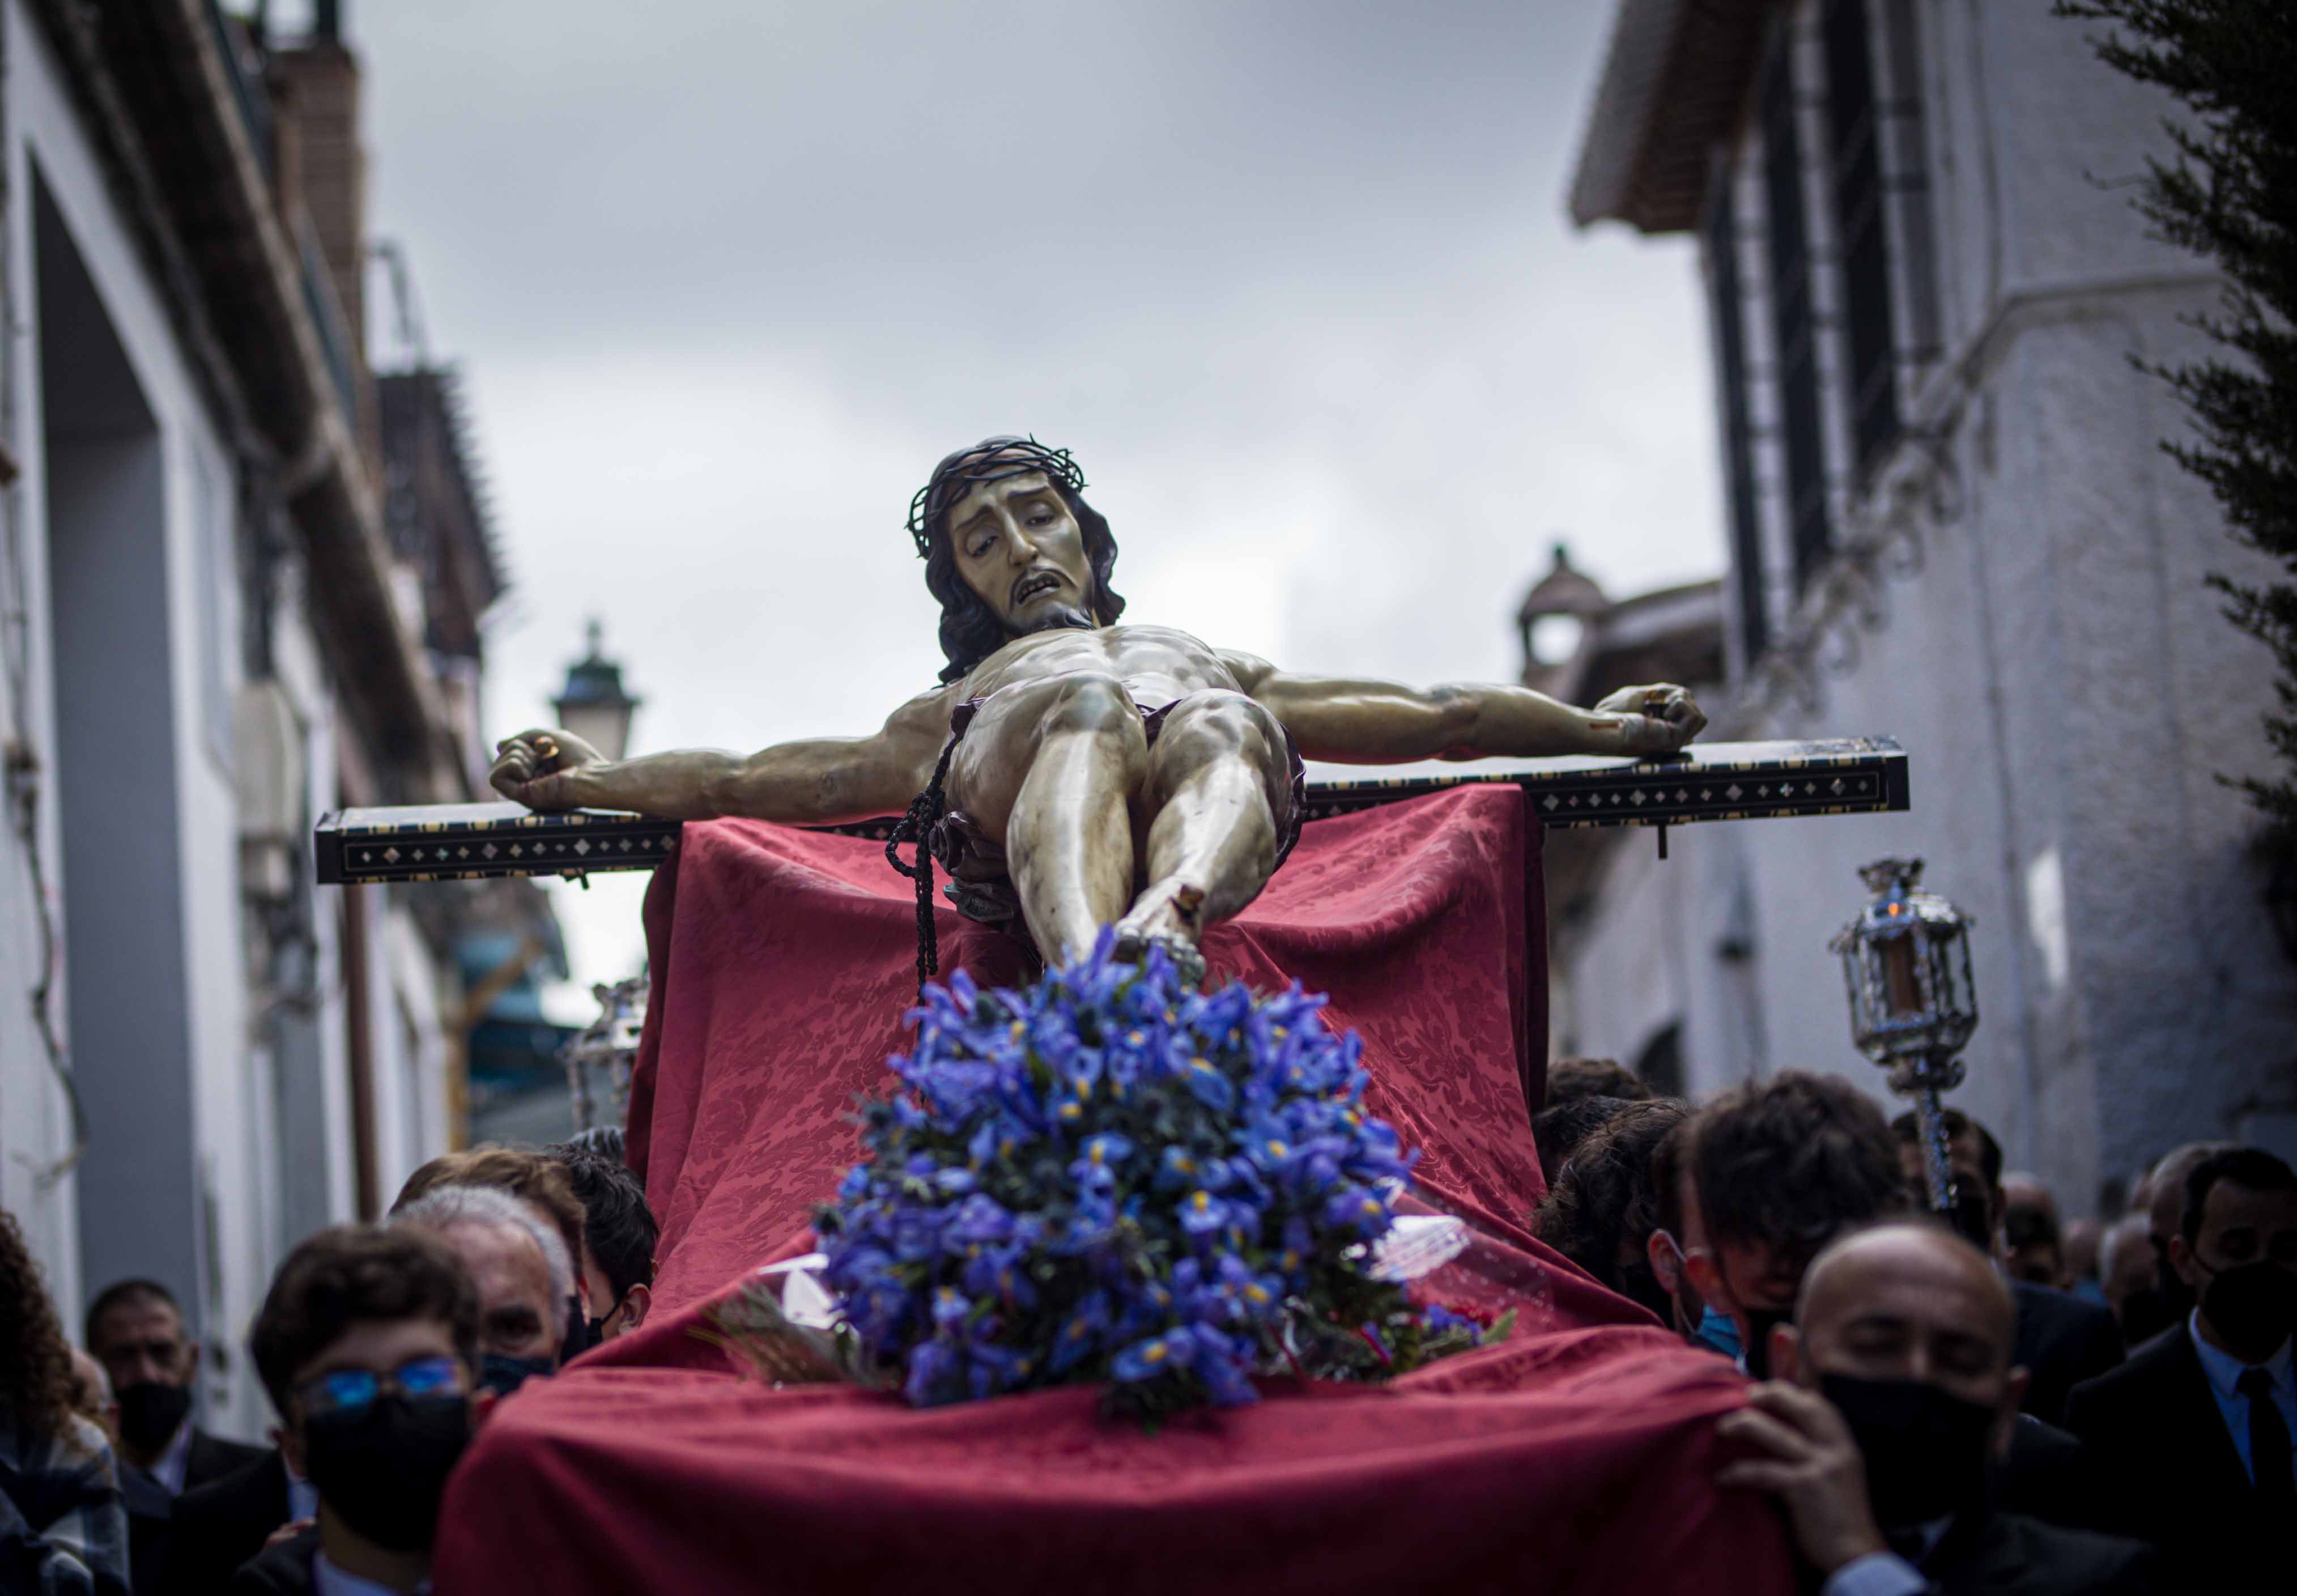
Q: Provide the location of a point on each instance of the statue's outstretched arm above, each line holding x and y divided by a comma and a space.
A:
817, 781
1353, 721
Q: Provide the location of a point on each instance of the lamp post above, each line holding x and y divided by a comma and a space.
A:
592, 704
1905, 959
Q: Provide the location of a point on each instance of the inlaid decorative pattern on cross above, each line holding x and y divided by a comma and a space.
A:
1716, 781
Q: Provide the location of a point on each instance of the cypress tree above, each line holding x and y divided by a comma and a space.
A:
2230, 194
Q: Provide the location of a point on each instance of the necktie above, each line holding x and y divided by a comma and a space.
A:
2269, 1441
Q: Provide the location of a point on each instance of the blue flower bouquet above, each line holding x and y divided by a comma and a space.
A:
1111, 1178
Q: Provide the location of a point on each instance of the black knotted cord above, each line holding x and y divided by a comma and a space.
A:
917, 825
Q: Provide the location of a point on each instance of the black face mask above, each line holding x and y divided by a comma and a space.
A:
1760, 1323
1925, 1450
150, 1414
2254, 1306
581, 1334
1639, 1284
381, 1469
503, 1374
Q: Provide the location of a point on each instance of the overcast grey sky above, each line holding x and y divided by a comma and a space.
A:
1294, 280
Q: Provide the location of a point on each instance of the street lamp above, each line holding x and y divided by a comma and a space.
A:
592, 704
1912, 1008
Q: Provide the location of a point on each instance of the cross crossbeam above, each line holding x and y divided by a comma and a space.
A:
1711, 781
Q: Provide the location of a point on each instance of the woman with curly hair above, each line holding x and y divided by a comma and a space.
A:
63, 1529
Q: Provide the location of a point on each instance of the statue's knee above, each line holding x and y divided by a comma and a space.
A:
1219, 721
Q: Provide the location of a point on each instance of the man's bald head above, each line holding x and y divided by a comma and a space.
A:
1908, 1300
1896, 1264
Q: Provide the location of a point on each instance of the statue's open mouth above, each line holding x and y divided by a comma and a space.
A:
1034, 583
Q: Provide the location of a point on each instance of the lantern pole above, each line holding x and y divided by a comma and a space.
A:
1929, 1116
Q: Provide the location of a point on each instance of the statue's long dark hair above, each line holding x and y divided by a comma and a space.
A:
970, 630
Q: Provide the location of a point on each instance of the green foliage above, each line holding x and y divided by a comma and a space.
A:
2231, 195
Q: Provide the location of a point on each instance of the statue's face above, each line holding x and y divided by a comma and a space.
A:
1019, 549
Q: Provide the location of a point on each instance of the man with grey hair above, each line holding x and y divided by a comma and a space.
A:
1895, 1388
522, 1271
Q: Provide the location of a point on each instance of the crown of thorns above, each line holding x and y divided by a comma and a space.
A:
991, 461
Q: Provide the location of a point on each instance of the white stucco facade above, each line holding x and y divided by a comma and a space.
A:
210, 1147
2019, 594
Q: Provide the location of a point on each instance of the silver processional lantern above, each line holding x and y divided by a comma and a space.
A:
1912, 1007
608, 1046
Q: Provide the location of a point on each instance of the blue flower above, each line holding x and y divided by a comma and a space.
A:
979, 1220
1209, 1086
1176, 1167
932, 1366
1155, 1357
1202, 1214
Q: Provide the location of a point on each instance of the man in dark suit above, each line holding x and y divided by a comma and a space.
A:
1895, 1388
369, 1342
2193, 1433
137, 1331
2061, 1339
226, 1522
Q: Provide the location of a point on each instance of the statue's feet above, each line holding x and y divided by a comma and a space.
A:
1166, 920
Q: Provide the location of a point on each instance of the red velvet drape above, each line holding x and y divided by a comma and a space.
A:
1576, 1456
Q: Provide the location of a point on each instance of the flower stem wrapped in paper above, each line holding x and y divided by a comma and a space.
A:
1111, 1178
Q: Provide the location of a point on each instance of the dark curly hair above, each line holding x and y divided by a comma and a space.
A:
970, 630
36, 1371
1608, 1192
621, 1229
1790, 1162
355, 1274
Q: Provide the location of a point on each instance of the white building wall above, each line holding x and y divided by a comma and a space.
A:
2024, 608
271, 1126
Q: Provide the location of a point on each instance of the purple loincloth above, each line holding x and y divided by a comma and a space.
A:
974, 861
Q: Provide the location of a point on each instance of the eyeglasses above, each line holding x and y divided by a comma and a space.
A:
349, 1390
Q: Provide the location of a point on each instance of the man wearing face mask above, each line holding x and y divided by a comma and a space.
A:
619, 1234
368, 1345
136, 1330
2195, 1431
1895, 1386
523, 1271
542, 1183
2162, 1304
1674, 1199
1778, 1168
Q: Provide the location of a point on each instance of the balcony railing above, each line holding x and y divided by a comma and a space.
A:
327, 315
247, 90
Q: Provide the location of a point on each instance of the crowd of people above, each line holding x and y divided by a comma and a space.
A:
380, 1346
1978, 1399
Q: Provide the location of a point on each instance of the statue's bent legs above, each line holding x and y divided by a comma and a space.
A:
1065, 768
1216, 771
1054, 764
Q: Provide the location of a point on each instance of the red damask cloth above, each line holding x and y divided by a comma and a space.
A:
1577, 1456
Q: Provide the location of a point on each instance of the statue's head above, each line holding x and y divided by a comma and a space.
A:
1011, 548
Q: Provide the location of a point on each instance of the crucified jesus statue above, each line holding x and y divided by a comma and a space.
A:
1071, 772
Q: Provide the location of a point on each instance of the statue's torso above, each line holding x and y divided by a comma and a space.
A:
1155, 664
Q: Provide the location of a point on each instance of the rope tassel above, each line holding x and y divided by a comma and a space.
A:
917, 825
